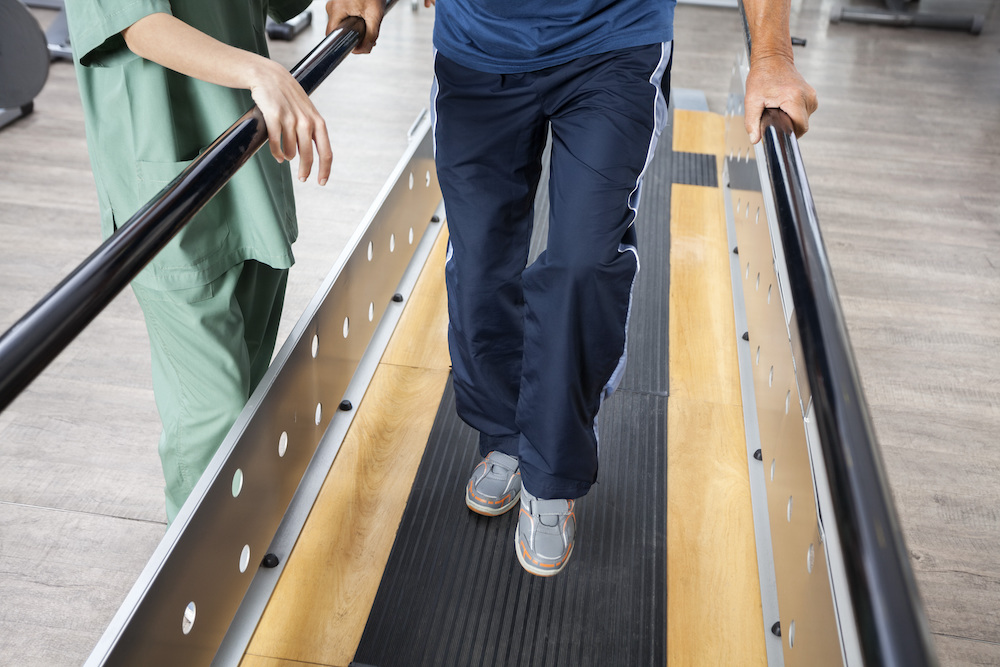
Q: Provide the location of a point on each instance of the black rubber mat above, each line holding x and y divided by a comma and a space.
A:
695, 169
453, 592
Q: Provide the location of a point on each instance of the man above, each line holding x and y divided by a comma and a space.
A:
536, 349
159, 81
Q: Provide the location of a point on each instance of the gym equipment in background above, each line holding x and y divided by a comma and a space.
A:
57, 34
907, 14
289, 29
24, 61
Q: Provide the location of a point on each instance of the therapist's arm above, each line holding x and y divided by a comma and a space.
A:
293, 123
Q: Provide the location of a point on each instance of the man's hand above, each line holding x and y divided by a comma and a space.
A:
774, 83
371, 11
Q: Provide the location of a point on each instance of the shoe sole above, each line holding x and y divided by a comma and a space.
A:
538, 570
480, 507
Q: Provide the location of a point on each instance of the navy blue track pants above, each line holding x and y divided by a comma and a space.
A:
536, 349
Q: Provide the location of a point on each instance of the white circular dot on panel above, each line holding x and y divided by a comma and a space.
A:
739, 202
427, 179
773, 462
237, 482
769, 293
746, 276
756, 218
319, 413
411, 180
371, 312
411, 235
758, 356
315, 345
187, 622
788, 401
770, 377
791, 635
392, 242
347, 326
757, 284
746, 211
371, 251
283, 443
789, 509
244, 558
810, 558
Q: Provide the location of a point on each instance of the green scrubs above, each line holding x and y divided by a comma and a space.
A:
213, 296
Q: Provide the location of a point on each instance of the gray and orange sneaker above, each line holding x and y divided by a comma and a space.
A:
546, 531
495, 485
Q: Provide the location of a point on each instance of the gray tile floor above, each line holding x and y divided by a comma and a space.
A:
902, 158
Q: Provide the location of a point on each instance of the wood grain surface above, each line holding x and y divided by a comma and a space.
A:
714, 614
320, 605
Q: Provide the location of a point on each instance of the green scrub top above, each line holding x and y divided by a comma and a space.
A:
145, 123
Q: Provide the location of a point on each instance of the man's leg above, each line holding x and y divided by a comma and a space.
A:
489, 136
606, 113
203, 369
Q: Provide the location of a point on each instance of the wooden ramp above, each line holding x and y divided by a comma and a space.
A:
713, 592
320, 608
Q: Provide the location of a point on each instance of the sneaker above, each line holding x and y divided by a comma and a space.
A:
495, 485
546, 530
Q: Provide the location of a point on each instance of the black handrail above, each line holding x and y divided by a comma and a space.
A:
891, 624
52, 324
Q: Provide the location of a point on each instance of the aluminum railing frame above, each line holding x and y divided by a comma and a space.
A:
200, 595
212, 555
842, 523
42, 333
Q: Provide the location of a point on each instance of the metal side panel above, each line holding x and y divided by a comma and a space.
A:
756, 468
817, 622
183, 603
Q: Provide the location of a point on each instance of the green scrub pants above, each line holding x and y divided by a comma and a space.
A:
210, 347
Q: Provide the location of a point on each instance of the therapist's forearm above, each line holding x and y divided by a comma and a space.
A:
168, 41
292, 121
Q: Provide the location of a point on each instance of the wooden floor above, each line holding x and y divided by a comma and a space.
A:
902, 158
712, 579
